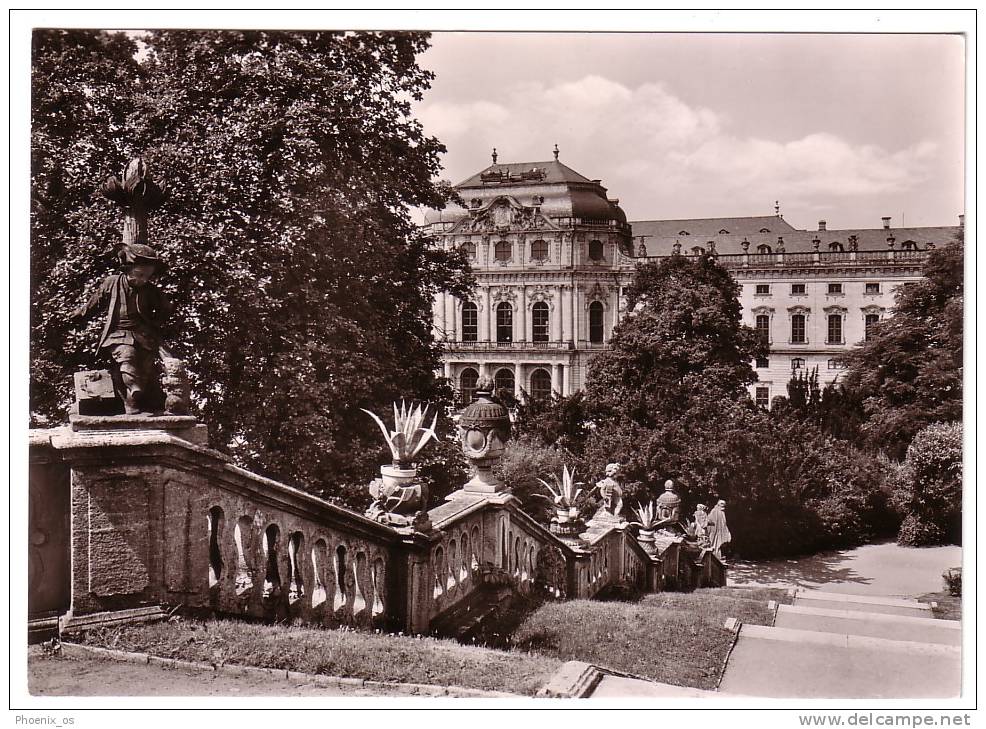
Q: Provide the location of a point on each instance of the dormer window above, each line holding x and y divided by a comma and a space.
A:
683, 232
763, 248
723, 232
697, 250
765, 230
908, 245
836, 247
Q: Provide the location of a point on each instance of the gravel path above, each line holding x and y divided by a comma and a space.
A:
873, 569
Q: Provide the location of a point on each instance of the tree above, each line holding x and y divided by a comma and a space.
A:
303, 289
681, 337
909, 371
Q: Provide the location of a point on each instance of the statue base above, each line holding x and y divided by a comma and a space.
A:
185, 427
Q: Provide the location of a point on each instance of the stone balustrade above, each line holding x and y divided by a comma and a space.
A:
123, 518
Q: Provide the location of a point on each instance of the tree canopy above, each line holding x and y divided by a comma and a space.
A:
302, 287
909, 371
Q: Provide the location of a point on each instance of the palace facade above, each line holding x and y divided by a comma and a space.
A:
553, 253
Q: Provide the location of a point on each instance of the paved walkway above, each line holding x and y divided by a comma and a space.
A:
873, 569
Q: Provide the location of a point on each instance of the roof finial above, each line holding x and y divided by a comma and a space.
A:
494, 155
777, 208
556, 152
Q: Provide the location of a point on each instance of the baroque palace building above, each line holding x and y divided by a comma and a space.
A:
553, 253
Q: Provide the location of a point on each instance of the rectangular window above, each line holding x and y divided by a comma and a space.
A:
835, 288
836, 364
763, 397
762, 363
470, 322
798, 329
763, 290
872, 288
763, 327
835, 329
798, 363
870, 320
797, 289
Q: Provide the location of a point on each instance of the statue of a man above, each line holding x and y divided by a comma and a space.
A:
718, 531
611, 489
131, 337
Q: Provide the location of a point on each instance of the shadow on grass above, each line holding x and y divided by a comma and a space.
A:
822, 568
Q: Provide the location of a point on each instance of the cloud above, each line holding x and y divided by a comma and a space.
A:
664, 157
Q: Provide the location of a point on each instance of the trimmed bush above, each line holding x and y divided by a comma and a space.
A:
929, 489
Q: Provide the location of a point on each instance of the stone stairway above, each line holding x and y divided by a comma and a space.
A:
832, 645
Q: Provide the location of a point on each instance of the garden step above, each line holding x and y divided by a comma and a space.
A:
788, 663
862, 603
876, 625
619, 687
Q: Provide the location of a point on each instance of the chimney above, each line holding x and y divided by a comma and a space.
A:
962, 221
821, 225
886, 222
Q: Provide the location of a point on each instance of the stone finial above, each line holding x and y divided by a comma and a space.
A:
484, 429
815, 242
676, 248
669, 503
494, 155
746, 245
780, 244
891, 242
556, 152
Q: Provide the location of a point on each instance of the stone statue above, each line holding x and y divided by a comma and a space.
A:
134, 310
717, 529
701, 525
611, 489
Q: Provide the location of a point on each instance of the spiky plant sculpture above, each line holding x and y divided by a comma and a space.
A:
409, 436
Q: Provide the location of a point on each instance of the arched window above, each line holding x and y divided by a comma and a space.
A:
470, 322
763, 326
504, 322
763, 248
501, 251
595, 322
595, 250
539, 322
469, 248
467, 385
765, 230
539, 250
540, 384
798, 363
723, 232
504, 380
908, 245
836, 247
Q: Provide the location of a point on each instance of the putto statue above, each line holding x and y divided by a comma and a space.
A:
717, 529
134, 311
611, 489
701, 525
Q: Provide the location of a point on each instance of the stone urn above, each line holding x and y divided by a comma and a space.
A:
669, 504
645, 538
484, 429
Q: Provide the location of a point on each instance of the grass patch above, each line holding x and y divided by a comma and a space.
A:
949, 606
378, 657
675, 638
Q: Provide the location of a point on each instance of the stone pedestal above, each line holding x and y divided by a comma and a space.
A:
185, 427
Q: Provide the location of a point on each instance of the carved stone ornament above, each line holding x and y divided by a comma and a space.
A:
503, 293
669, 504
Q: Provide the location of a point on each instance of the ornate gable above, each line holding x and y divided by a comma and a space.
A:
503, 214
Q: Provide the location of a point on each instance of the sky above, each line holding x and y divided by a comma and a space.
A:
846, 128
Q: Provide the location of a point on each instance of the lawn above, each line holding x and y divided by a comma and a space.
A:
374, 656
949, 606
675, 638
